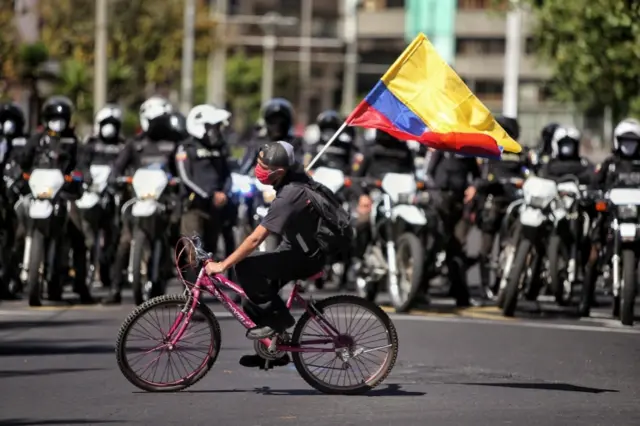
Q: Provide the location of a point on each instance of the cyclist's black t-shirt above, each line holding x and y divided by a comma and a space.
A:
292, 217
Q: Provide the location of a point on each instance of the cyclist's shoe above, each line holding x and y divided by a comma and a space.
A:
253, 361
259, 333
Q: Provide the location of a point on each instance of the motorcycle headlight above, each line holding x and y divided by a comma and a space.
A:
627, 212
47, 193
539, 202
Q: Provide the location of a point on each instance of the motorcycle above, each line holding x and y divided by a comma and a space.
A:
335, 180
498, 222
48, 214
261, 208
395, 253
151, 208
243, 191
565, 254
539, 213
626, 239
93, 206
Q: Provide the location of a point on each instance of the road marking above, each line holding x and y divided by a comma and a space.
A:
482, 312
15, 312
516, 322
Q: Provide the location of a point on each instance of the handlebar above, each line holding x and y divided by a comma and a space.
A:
67, 178
128, 180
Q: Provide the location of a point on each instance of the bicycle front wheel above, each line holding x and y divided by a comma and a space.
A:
156, 364
358, 359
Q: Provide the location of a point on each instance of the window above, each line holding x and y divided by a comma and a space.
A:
530, 46
474, 4
395, 3
480, 46
488, 89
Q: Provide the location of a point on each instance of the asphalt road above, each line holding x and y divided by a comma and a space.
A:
470, 367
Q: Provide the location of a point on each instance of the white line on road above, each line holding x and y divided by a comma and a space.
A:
529, 324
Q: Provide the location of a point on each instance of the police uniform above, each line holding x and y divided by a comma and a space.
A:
450, 174
204, 171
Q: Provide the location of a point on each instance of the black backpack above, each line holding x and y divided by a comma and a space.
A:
335, 233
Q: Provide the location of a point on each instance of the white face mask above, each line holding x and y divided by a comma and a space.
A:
57, 125
108, 131
629, 147
8, 128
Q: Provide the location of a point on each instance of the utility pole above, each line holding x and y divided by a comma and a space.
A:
100, 61
269, 22
350, 83
216, 78
305, 60
512, 60
188, 42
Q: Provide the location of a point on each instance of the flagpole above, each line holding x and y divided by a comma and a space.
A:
327, 145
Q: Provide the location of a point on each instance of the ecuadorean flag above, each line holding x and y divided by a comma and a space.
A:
421, 98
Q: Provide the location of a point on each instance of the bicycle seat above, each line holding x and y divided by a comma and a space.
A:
315, 276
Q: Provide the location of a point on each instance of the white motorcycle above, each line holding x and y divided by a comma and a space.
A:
94, 208
626, 249
151, 210
541, 210
335, 180
48, 215
261, 206
395, 252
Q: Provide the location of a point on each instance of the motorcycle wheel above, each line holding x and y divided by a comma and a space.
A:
512, 290
558, 255
141, 246
36, 257
410, 261
628, 291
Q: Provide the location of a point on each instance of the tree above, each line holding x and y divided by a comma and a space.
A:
8, 45
593, 48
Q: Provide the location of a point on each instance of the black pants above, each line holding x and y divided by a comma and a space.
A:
262, 275
121, 256
110, 231
76, 240
456, 228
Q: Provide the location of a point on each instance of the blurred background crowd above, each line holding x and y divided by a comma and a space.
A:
321, 55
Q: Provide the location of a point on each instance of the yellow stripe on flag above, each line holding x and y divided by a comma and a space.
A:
424, 82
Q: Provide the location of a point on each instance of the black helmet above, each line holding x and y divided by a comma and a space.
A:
329, 119
510, 125
277, 107
177, 126
277, 115
56, 113
546, 135
11, 119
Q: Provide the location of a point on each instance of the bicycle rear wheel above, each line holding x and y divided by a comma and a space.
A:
366, 334
150, 328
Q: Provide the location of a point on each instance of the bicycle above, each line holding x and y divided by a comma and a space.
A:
342, 345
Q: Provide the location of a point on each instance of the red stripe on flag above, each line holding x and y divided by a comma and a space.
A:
476, 144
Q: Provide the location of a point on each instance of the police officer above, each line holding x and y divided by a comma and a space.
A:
542, 154
12, 144
102, 149
621, 168
381, 155
156, 147
276, 124
565, 156
341, 152
206, 179
449, 174
150, 109
490, 219
57, 147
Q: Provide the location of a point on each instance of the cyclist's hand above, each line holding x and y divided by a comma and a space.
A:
212, 268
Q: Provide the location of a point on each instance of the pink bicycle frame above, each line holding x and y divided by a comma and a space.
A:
212, 286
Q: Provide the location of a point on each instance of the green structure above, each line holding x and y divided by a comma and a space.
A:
435, 18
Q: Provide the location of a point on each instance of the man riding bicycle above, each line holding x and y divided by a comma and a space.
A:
299, 256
